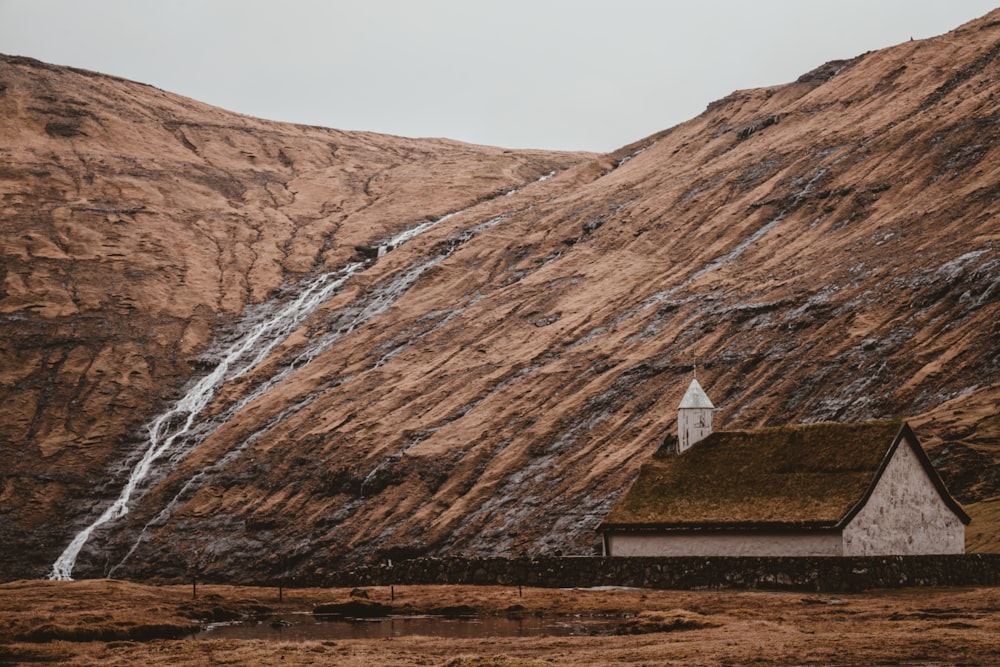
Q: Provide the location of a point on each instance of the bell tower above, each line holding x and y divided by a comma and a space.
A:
694, 416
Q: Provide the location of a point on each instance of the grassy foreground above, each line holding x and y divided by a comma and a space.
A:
122, 623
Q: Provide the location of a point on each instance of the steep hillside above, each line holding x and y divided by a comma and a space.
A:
825, 250
135, 226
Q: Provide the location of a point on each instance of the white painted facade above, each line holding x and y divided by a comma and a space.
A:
905, 515
694, 416
725, 544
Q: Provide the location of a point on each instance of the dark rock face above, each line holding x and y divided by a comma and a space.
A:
825, 250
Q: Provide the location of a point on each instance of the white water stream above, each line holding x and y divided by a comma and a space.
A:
169, 431
240, 357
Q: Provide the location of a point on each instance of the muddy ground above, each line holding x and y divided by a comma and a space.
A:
120, 623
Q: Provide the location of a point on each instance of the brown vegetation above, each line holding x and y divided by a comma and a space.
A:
982, 535
940, 626
827, 250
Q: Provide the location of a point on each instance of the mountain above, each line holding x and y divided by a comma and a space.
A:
352, 347
137, 227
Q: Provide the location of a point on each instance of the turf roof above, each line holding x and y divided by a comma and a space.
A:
806, 475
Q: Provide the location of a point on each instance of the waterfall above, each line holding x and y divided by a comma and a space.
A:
168, 432
241, 356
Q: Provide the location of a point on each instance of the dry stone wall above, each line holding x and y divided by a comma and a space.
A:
806, 573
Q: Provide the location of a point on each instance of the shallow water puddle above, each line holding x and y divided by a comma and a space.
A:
308, 628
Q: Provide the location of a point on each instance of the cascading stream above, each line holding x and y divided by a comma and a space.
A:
371, 306
169, 430
239, 358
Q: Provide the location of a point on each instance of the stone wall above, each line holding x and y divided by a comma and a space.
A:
806, 573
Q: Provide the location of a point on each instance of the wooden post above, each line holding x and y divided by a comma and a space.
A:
392, 593
194, 566
281, 578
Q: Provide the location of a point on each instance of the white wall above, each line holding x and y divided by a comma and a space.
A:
707, 544
905, 515
693, 424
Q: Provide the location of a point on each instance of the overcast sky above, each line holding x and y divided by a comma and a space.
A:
565, 74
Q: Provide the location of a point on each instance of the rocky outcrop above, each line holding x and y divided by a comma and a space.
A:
825, 250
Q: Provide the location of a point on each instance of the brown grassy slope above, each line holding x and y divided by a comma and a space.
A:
826, 249
133, 223
982, 534
940, 626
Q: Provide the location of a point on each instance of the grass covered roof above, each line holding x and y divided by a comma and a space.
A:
800, 476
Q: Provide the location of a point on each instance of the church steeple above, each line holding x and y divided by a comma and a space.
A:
694, 416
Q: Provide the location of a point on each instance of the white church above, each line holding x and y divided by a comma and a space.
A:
823, 489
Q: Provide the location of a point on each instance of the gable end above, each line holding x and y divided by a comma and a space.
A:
906, 433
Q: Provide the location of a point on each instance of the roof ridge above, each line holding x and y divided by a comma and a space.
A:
805, 425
